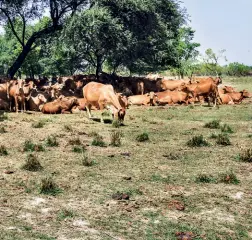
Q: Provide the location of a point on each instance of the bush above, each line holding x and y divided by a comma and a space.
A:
197, 141
204, 178
48, 186
215, 124
226, 128
246, 155
228, 178
143, 137
32, 164
116, 123
3, 151
223, 139
51, 141
29, 146
38, 124
79, 149
2, 129
115, 138
98, 141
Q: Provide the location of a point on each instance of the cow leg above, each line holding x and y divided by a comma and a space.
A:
88, 107
16, 104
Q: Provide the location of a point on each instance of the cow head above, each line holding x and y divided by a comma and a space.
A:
245, 94
79, 84
121, 114
42, 98
153, 98
218, 81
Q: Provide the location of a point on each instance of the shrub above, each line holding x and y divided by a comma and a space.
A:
3, 151
29, 146
32, 164
116, 123
51, 141
98, 141
68, 128
215, 124
197, 141
204, 178
115, 138
228, 178
86, 161
79, 149
223, 139
48, 186
38, 124
246, 155
143, 137
75, 141
226, 128
2, 129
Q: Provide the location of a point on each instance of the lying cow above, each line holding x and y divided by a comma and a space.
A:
147, 99
172, 97
60, 105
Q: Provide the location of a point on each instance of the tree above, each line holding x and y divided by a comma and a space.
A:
31, 10
211, 61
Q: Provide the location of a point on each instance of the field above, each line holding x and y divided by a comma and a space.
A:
172, 187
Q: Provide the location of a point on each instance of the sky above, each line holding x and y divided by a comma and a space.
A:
223, 24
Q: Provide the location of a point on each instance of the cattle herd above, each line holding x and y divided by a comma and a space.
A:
84, 92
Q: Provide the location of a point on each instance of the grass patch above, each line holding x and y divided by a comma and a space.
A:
215, 124
39, 124
226, 129
68, 128
29, 146
79, 149
2, 129
214, 136
3, 151
86, 161
143, 137
228, 178
197, 141
246, 155
116, 123
205, 178
51, 141
223, 139
116, 138
3, 116
64, 214
49, 187
75, 141
32, 164
98, 141
159, 178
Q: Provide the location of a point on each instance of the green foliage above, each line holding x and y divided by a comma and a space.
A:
159, 178
215, 124
32, 164
229, 178
246, 155
226, 128
115, 138
3, 151
205, 178
49, 187
197, 141
143, 137
51, 141
29, 146
98, 141
223, 139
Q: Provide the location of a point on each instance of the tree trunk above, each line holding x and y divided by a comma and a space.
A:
28, 47
98, 66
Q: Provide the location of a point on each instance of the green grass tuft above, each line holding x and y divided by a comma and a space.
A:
205, 178
226, 129
228, 178
198, 141
3, 151
223, 139
32, 164
246, 155
51, 141
116, 138
98, 141
49, 187
143, 137
39, 124
215, 124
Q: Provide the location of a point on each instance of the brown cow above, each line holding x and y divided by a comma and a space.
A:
103, 96
237, 97
172, 97
147, 99
60, 105
171, 85
4, 94
37, 100
16, 92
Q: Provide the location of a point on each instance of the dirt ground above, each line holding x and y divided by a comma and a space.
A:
156, 189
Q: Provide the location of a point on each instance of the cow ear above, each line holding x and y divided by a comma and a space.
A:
147, 94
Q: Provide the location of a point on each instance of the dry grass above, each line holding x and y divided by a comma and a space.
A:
156, 174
